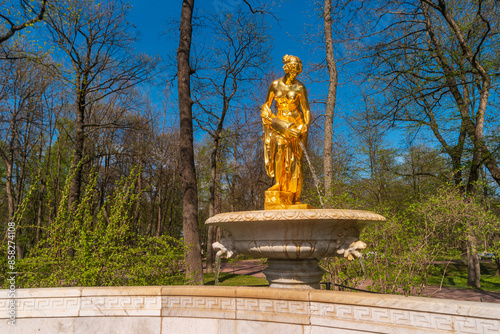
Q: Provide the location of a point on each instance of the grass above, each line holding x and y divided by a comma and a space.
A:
228, 279
225, 279
455, 276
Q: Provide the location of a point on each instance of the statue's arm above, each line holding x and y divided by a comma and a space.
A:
304, 104
265, 110
270, 95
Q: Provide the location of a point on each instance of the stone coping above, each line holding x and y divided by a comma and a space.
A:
421, 304
209, 309
294, 215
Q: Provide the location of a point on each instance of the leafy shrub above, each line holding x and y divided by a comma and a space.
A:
402, 252
91, 246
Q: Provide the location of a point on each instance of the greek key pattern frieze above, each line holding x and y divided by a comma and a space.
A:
272, 306
199, 303
120, 303
4, 304
48, 305
393, 317
42, 304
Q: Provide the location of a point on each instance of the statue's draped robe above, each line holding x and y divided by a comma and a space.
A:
282, 150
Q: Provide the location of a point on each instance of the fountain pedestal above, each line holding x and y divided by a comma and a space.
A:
293, 240
294, 274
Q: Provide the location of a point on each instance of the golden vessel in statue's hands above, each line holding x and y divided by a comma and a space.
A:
285, 135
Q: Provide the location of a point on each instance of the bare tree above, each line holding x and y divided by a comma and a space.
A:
235, 63
330, 101
194, 270
26, 10
434, 62
96, 39
23, 86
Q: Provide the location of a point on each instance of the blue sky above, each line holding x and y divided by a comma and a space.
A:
296, 21
151, 18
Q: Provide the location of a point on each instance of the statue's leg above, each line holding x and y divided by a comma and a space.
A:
296, 198
297, 175
279, 164
289, 162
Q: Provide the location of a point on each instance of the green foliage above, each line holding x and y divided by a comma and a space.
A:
402, 252
87, 248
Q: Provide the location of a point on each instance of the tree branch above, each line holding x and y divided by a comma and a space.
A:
14, 28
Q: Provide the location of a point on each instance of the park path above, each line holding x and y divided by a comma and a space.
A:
254, 268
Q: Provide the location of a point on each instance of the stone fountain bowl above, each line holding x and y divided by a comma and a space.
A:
293, 234
293, 240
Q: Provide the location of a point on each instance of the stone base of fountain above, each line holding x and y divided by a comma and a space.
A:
293, 240
294, 274
282, 200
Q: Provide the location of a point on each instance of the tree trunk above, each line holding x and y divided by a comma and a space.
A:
330, 103
149, 227
57, 189
43, 181
456, 159
473, 128
40, 212
76, 167
194, 273
210, 253
455, 152
169, 210
473, 267
135, 221
160, 201
476, 162
9, 189
211, 205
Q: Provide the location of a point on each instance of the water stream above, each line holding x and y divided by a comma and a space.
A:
362, 266
217, 268
316, 181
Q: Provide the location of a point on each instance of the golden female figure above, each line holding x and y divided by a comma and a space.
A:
283, 134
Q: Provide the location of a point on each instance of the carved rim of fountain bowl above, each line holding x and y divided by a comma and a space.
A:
262, 216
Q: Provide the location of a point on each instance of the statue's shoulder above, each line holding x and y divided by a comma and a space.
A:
300, 85
276, 83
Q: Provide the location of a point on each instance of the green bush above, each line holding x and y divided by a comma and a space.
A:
91, 246
401, 253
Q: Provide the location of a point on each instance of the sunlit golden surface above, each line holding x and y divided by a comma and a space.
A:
282, 132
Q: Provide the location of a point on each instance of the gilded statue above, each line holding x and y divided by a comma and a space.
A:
285, 136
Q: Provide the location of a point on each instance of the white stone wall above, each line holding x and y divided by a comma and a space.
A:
207, 310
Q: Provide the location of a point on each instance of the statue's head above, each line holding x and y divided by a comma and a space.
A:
292, 65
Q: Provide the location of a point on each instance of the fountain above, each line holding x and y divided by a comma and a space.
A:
292, 235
